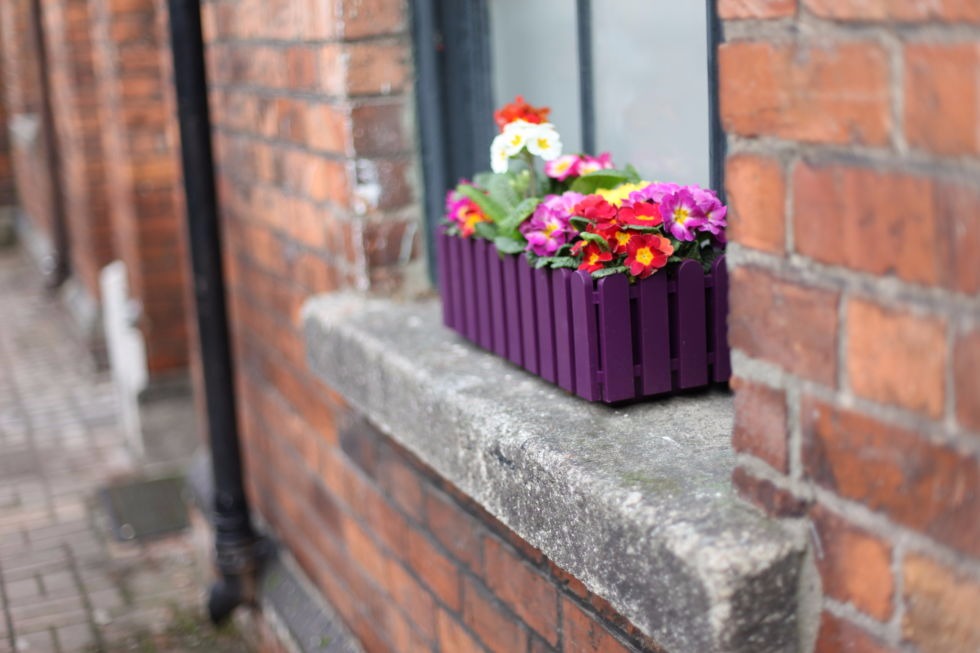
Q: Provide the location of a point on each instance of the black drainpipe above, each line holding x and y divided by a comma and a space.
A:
238, 550
56, 269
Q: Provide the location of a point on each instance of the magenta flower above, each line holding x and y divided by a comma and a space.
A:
682, 215
653, 192
549, 228
714, 211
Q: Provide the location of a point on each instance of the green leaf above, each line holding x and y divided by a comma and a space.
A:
599, 179
608, 272
490, 207
633, 173
486, 230
564, 262
540, 262
641, 229
564, 250
580, 223
518, 214
482, 179
501, 190
597, 239
508, 245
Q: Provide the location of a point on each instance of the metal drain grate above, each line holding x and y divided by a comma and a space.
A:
146, 509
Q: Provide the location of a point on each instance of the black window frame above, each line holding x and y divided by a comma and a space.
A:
453, 89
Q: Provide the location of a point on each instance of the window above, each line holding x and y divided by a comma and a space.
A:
633, 77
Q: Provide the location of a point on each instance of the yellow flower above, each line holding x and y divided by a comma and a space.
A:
616, 196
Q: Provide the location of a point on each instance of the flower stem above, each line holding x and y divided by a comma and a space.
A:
532, 189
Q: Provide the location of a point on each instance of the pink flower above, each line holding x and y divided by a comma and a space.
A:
654, 192
594, 163
682, 215
712, 208
563, 167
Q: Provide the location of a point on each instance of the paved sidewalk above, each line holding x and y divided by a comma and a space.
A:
65, 585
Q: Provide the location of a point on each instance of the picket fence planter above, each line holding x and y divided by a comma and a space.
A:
604, 340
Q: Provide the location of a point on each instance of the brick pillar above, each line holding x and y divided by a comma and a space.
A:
24, 97
8, 192
75, 102
141, 156
854, 182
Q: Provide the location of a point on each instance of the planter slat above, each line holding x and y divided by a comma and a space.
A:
564, 342
469, 289
692, 329
604, 340
615, 338
512, 303
456, 271
653, 329
445, 283
719, 304
544, 299
484, 333
585, 334
498, 315
529, 323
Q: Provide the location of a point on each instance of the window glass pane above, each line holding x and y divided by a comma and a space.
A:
535, 54
651, 86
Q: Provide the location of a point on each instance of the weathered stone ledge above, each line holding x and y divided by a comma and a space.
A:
633, 501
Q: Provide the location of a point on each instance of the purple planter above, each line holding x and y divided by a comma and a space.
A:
605, 340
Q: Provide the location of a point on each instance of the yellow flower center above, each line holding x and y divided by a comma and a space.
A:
515, 140
543, 143
681, 214
550, 229
623, 238
644, 255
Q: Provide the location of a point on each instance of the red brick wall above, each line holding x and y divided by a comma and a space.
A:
854, 180
141, 156
75, 103
24, 101
311, 112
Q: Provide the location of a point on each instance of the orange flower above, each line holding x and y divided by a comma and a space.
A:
520, 110
594, 258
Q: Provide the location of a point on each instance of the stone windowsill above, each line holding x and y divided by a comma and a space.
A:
635, 501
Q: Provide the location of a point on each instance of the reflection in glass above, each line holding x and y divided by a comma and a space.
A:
651, 86
535, 54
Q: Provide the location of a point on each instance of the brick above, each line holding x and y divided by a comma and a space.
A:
966, 379
756, 9
837, 211
528, 593
756, 188
497, 629
895, 10
455, 529
760, 423
372, 18
820, 93
896, 358
942, 97
413, 599
941, 607
855, 565
435, 569
837, 635
924, 486
379, 129
766, 495
453, 637
583, 634
377, 67
785, 323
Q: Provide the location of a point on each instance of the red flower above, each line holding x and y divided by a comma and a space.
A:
593, 257
646, 254
641, 214
595, 208
520, 110
620, 240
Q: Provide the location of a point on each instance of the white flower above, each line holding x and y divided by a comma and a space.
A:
516, 134
499, 157
543, 141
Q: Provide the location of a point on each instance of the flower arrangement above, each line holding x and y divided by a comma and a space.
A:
582, 213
